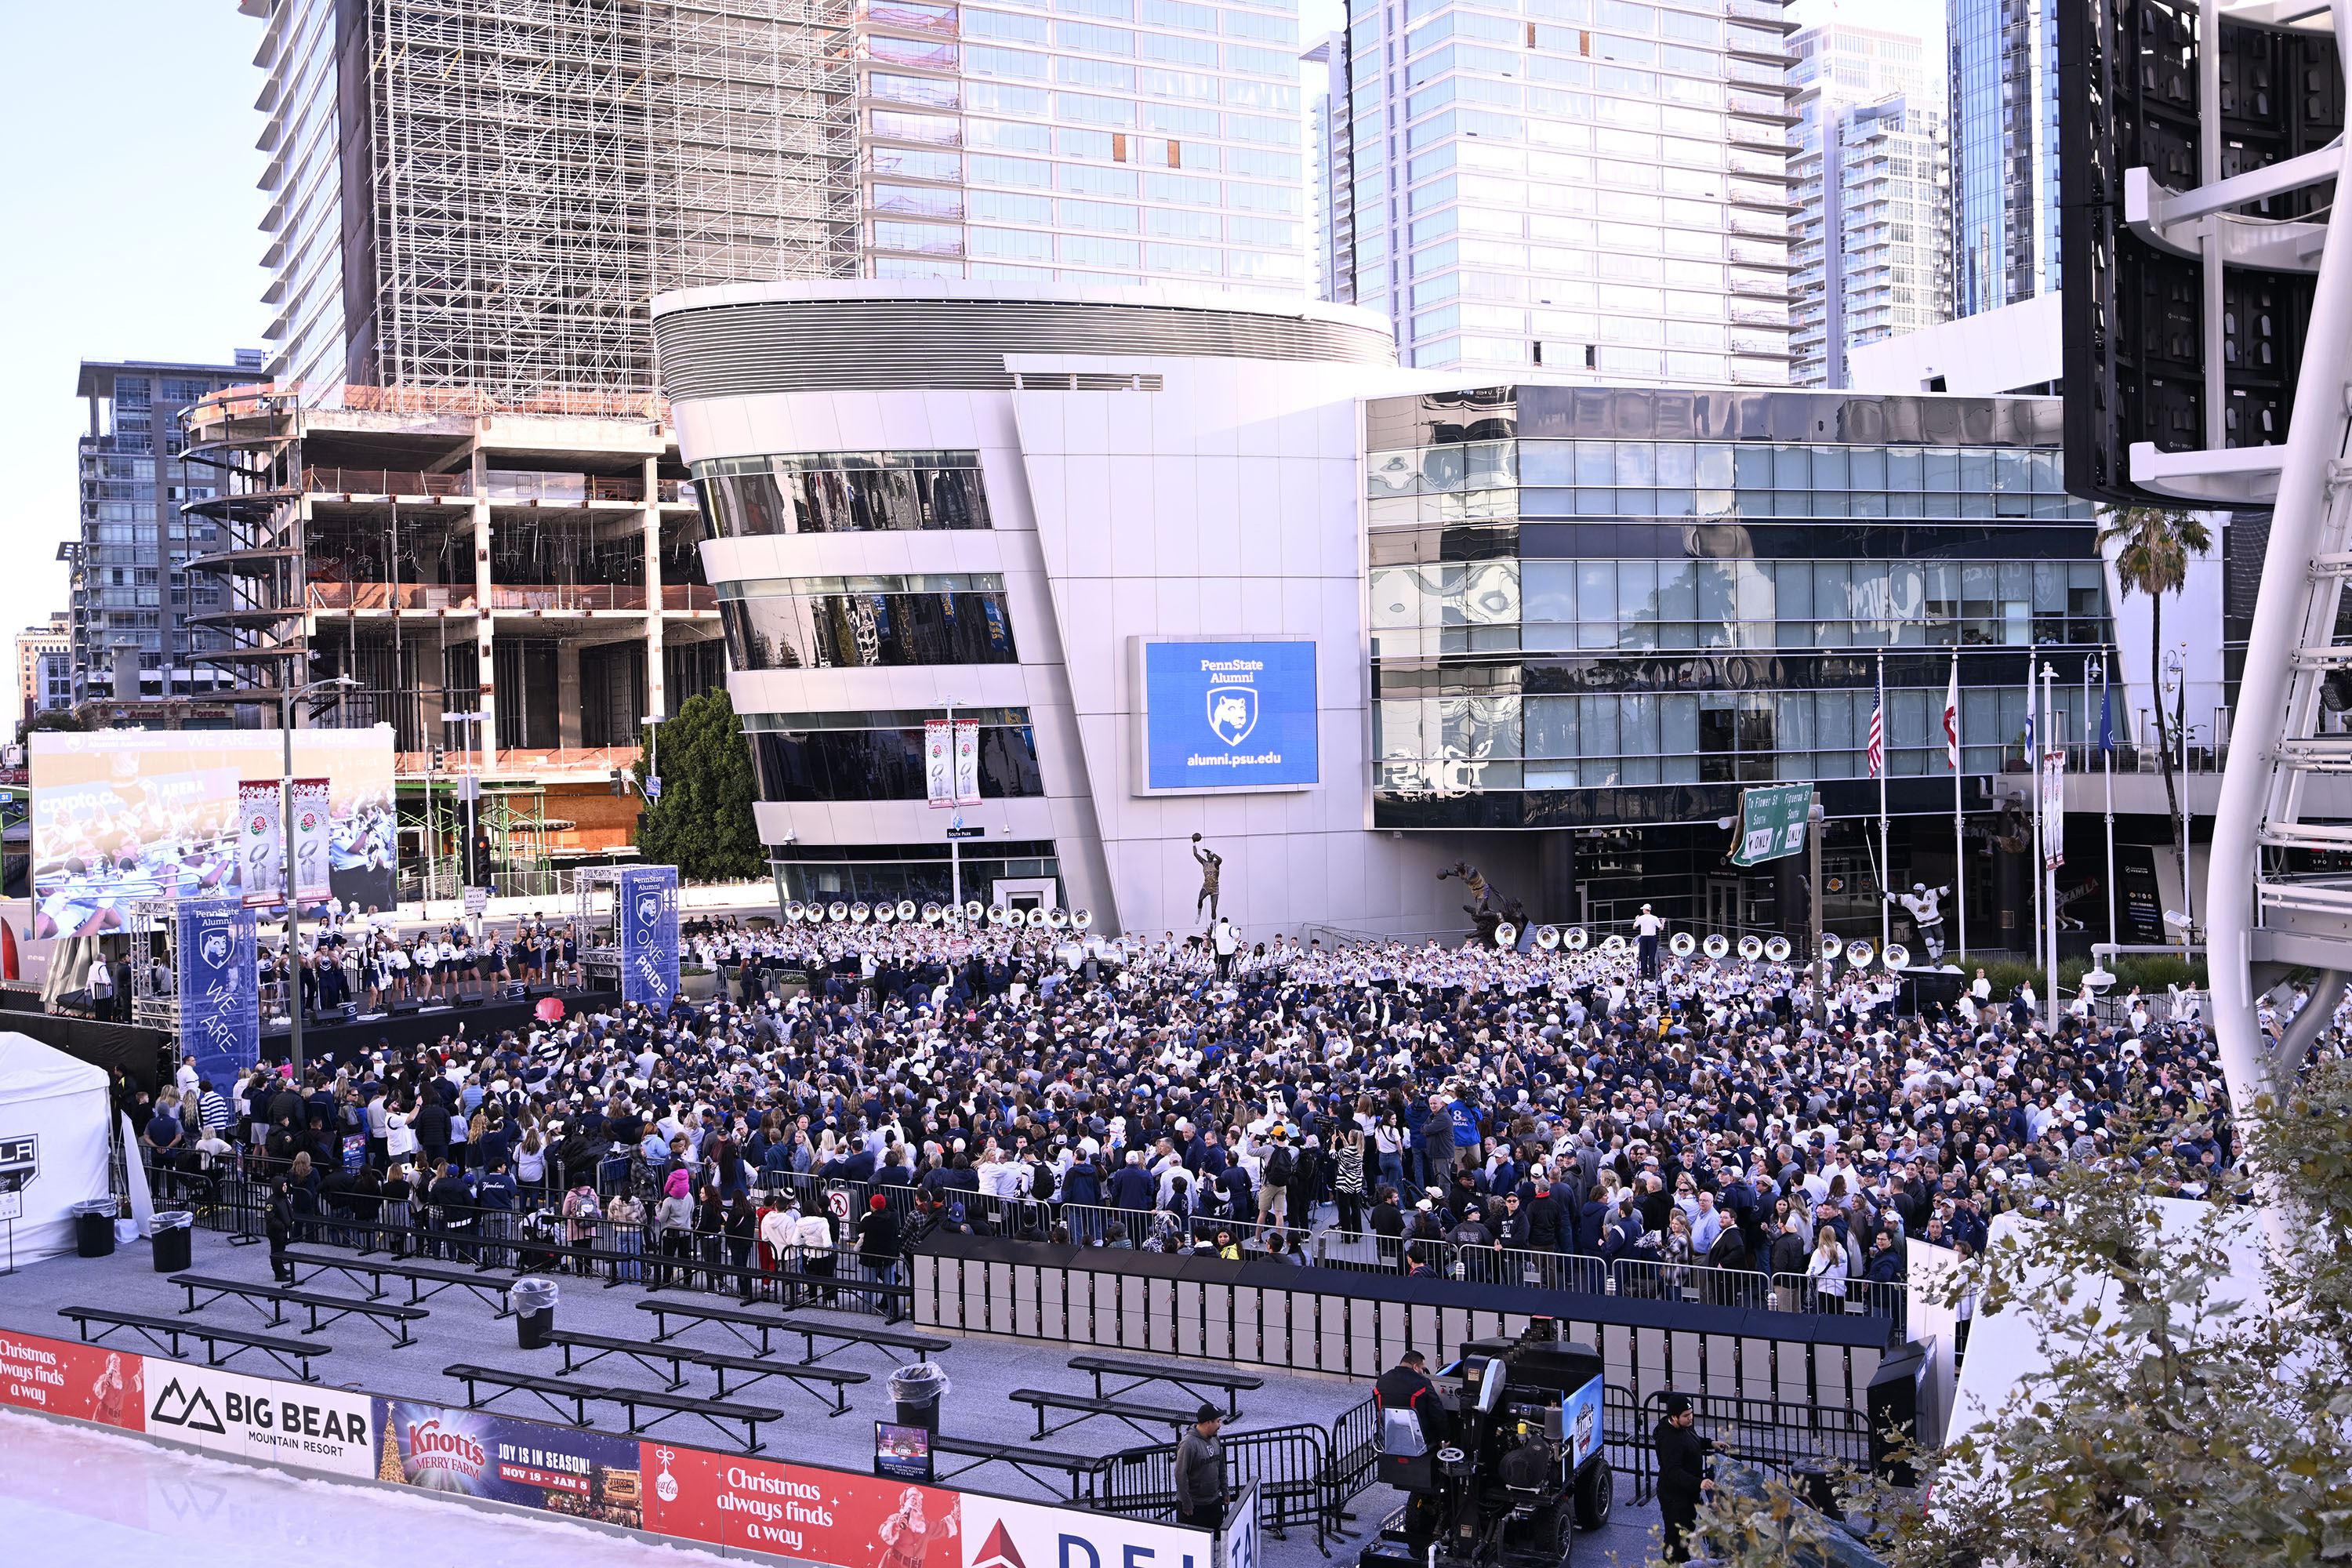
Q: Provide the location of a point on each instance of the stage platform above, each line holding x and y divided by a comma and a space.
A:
338, 1043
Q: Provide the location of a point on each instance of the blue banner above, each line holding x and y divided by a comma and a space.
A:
649, 911
220, 996
1229, 715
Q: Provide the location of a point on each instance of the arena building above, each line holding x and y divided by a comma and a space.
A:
1198, 564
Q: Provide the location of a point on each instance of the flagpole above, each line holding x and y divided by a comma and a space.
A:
1885, 856
1959, 824
2033, 796
2108, 749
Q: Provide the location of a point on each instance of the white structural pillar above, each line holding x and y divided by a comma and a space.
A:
485, 662
2295, 612
655, 702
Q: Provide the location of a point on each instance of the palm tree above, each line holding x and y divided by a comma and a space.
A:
2153, 547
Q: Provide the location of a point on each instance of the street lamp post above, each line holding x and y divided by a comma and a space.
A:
470, 791
285, 867
2096, 668
653, 723
2176, 680
1815, 825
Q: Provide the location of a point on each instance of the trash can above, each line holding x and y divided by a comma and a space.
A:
915, 1391
94, 1226
533, 1299
171, 1232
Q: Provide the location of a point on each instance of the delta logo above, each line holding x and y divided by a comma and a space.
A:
432, 1447
997, 1550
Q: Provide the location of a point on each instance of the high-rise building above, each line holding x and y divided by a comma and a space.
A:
1330, 195
489, 196
2004, 137
44, 666
1576, 184
133, 598
1872, 192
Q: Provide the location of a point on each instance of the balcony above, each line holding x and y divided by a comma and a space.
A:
527, 598
504, 488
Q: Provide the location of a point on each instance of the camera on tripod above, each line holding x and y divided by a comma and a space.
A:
1520, 1470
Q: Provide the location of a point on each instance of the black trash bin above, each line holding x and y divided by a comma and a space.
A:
534, 1309
94, 1227
914, 1393
171, 1233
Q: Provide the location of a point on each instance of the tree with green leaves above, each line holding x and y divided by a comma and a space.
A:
2186, 1419
2153, 546
703, 823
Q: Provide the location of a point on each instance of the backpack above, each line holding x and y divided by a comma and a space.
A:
1279, 1166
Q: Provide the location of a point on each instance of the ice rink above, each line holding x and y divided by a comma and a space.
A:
73, 1494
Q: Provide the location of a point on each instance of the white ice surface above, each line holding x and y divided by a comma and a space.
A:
72, 1494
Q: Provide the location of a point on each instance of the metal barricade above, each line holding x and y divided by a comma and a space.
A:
1686, 1283
1788, 1438
1887, 1299
1542, 1270
1627, 1443
1290, 1465
1384, 1254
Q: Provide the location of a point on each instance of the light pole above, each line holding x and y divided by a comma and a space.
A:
653, 723
286, 866
2176, 680
2052, 840
470, 791
2096, 668
1815, 826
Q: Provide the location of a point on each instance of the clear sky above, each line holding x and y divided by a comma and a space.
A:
129, 170
128, 174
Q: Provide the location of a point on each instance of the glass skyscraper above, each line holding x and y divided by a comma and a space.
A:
1605, 609
1872, 196
2004, 131
1577, 185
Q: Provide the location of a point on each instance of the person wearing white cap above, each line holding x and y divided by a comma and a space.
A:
1647, 928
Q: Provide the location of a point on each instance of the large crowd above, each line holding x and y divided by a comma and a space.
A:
1437, 1102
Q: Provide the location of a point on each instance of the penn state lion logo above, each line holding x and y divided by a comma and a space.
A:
215, 949
1232, 712
650, 908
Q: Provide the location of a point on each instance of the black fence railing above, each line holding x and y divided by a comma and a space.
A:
1291, 1465
1794, 1439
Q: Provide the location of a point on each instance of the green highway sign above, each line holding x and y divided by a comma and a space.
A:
1772, 821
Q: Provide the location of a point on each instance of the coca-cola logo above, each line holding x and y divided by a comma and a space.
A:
430, 1441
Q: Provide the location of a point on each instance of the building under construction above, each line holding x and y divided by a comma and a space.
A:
487, 194
535, 563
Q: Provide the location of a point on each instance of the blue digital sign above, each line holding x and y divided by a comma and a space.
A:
1229, 715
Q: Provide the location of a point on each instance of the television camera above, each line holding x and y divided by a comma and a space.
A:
1520, 1469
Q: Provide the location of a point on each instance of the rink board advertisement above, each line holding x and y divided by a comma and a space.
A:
60, 1377
125, 814
588, 1475
261, 1418
1226, 715
804, 1511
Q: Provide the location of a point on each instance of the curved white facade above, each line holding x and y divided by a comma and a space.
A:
1130, 494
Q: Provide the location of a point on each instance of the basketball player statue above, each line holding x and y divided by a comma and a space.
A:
1925, 906
1212, 864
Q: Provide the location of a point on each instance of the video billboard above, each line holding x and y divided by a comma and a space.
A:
126, 814
1223, 714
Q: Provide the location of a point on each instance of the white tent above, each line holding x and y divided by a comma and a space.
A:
53, 1143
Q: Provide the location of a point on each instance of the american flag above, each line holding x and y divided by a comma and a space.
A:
1877, 753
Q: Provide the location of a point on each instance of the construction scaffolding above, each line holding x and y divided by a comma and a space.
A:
539, 169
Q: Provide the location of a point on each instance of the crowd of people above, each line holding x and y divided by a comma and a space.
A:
1454, 1106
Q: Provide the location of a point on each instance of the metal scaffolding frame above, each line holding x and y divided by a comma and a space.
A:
539, 169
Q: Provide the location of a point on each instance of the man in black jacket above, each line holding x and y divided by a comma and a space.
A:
1682, 1474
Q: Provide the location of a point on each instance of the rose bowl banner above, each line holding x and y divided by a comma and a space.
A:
314, 881
61, 1377
648, 917
260, 845
939, 772
220, 997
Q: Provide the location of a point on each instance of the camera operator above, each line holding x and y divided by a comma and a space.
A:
1682, 1474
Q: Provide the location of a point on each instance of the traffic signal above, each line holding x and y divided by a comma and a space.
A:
620, 782
477, 857
440, 758
2133, 312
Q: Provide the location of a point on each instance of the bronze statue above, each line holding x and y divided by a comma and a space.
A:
1210, 864
1472, 883
1486, 908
